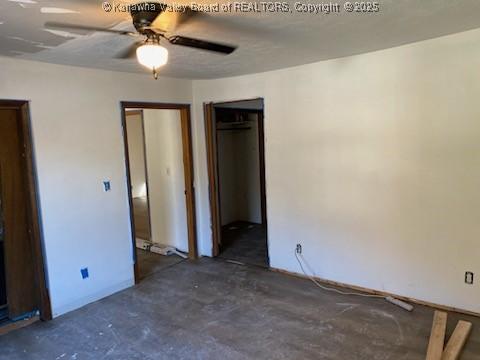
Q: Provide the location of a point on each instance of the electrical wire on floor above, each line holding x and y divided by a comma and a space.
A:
390, 299
164, 268
240, 263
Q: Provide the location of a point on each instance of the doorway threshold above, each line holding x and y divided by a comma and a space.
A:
3, 313
9, 325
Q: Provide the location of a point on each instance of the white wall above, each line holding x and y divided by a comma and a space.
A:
166, 180
372, 163
239, 174
227, 165
136, 155
78, 143
250, 157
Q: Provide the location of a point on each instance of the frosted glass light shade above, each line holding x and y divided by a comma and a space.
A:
152, 56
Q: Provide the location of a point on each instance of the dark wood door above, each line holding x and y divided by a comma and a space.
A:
19, 261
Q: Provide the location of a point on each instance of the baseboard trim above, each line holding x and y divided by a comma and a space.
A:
378, 292
11, 326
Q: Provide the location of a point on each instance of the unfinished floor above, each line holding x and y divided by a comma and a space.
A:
141, 217
150, 263
245, 242
210, 309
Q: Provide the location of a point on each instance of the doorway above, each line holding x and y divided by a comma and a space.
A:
158, 155
23, 292
236, 167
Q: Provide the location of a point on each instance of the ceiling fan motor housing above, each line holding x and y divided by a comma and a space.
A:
143, 14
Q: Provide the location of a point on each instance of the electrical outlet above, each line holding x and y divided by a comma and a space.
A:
84, 273
469, 278
298, 249
107, 186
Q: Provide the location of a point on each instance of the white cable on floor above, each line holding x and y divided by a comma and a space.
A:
328, 288
390, 299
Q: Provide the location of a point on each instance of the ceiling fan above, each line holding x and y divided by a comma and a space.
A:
153, 21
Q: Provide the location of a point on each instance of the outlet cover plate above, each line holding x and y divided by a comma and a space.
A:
469, 278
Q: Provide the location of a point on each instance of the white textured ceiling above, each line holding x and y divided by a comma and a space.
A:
266, 41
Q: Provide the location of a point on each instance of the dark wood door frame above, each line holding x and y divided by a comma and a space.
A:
34, 221
212, 167
261, 150
187, 165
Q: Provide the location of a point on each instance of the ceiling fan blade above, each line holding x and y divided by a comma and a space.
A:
130, 51
201, 44
65, 26
169, 21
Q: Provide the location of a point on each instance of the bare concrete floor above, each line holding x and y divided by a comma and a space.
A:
210, 309
245, 242
150, 263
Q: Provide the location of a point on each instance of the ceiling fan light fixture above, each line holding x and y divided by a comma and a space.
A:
152, 56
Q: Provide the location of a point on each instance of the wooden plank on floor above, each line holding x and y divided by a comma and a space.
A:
437, 336
457, 341
17, 325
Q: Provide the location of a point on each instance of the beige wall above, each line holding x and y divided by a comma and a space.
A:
166, 180
372, 164
239, 175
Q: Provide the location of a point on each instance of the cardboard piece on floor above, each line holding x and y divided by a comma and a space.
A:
457, 341
437, 336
